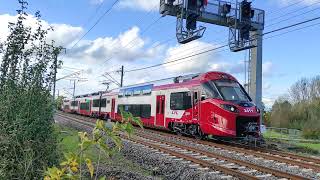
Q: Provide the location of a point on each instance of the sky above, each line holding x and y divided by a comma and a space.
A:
124, 37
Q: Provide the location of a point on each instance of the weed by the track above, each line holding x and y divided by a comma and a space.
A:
69, 143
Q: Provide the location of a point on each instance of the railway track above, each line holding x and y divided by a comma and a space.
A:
282, 157
200, 157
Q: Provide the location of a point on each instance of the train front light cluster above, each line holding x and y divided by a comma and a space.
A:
230, 108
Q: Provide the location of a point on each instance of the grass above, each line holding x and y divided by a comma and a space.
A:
273, 134
313, 147
306, 148
69, 143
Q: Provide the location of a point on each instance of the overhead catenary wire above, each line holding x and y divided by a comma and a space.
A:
97, 22
293, 17
135, 39
224, 50
285, 7
294, 11
222, 46
94, 14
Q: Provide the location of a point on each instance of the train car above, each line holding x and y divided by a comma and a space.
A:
85, 103
74, 106
96, 105
66, 106
212, 103
108, 105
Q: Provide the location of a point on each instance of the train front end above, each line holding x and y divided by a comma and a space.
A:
227, 110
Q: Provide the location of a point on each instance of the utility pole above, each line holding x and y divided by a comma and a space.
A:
74, 88
56, 52
122, 73
55, 63
255, 83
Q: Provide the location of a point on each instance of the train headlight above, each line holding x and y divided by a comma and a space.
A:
229, 107
258, 110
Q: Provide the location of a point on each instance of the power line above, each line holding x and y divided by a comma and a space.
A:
222, 46
286, 7
203, 52
94, 14
293, 30
293, 17
140, 21
144, 31
290, 26
294, 11
99, 19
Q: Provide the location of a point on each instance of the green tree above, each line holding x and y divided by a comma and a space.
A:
59, 102
27, 139
280, 114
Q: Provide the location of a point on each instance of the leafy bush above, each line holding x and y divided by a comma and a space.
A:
27, 139
72, 167
301, 110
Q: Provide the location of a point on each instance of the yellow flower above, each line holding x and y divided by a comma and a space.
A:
74, 169
74, 164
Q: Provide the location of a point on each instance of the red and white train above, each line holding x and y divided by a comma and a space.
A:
212, 103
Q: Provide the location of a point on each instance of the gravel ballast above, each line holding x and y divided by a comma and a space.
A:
161, 166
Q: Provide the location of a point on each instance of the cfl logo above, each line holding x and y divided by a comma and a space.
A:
248, 110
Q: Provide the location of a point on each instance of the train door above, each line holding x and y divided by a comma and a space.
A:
113, 104
196, 105
160, 110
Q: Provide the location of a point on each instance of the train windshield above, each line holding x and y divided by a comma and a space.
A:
226, 90
231, 91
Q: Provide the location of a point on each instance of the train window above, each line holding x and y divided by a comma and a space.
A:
195, 97
120, 107
210, 91
74, 103
120, 94
146, 91
128, 93
137, 92
108, 101
137, 110
180, 101
162, 107
145, 111
103, 103
84, 106
158, 107
96, 103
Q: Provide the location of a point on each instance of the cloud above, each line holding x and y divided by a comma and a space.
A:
127, 47
141, 5
192, 64
268, 102
63, 34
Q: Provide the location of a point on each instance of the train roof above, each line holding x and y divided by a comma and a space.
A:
179, 82
197, 80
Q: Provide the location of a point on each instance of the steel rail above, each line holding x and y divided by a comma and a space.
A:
180, 155
195, 160
309, 163
264, 169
